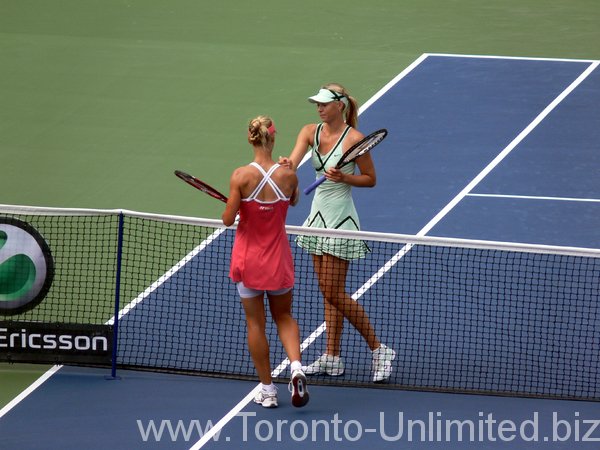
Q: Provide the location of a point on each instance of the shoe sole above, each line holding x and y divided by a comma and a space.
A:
299, 391
269, 405
382, 380
331, 373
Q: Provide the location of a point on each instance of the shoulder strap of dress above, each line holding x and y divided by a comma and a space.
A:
266, 179
317, 136
343, 136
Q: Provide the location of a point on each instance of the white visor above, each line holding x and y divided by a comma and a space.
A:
328, 96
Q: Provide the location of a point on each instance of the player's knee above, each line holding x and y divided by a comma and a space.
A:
333, 297
282, 318
256, 325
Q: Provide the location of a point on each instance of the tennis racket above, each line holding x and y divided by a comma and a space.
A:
360, 148
201, 185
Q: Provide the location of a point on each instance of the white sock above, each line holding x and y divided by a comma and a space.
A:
269, 388
296, 365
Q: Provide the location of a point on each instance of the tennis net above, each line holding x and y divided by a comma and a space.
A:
462, 315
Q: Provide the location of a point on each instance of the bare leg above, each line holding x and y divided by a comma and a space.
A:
289, 335
287, 327
335, 325
257, 339
331, 272
333, 318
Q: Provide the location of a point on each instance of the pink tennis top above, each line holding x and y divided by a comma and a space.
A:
261, 256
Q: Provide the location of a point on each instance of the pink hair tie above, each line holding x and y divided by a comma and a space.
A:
272, 129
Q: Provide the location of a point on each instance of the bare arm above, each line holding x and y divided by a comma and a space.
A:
295, 197
288, 182
303, 142
235, 197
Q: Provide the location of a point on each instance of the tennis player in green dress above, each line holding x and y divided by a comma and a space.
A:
333, 207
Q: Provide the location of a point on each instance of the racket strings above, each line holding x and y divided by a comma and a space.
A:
364, 147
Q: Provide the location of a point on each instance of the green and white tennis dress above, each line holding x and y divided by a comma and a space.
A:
332, 207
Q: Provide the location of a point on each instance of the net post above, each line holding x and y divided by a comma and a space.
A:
113, 373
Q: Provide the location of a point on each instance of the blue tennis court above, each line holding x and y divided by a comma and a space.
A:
487, 148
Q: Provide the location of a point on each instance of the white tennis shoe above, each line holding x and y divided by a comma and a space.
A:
266, 399
326, 364
382, 363
298, 388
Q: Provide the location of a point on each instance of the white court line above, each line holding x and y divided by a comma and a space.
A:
358, 293
518, 58
537, 197
43, 378
467, 189
380, 93
32, 387
509, 148
405, 249
172, 271
392, 83
321, 329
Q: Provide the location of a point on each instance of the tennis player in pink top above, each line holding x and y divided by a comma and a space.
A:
261, 260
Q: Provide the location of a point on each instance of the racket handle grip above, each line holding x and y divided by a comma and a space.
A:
314, 185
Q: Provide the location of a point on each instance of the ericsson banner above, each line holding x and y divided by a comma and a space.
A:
55, 343
27, 271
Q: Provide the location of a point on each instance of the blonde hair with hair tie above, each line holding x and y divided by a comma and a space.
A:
261, 131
